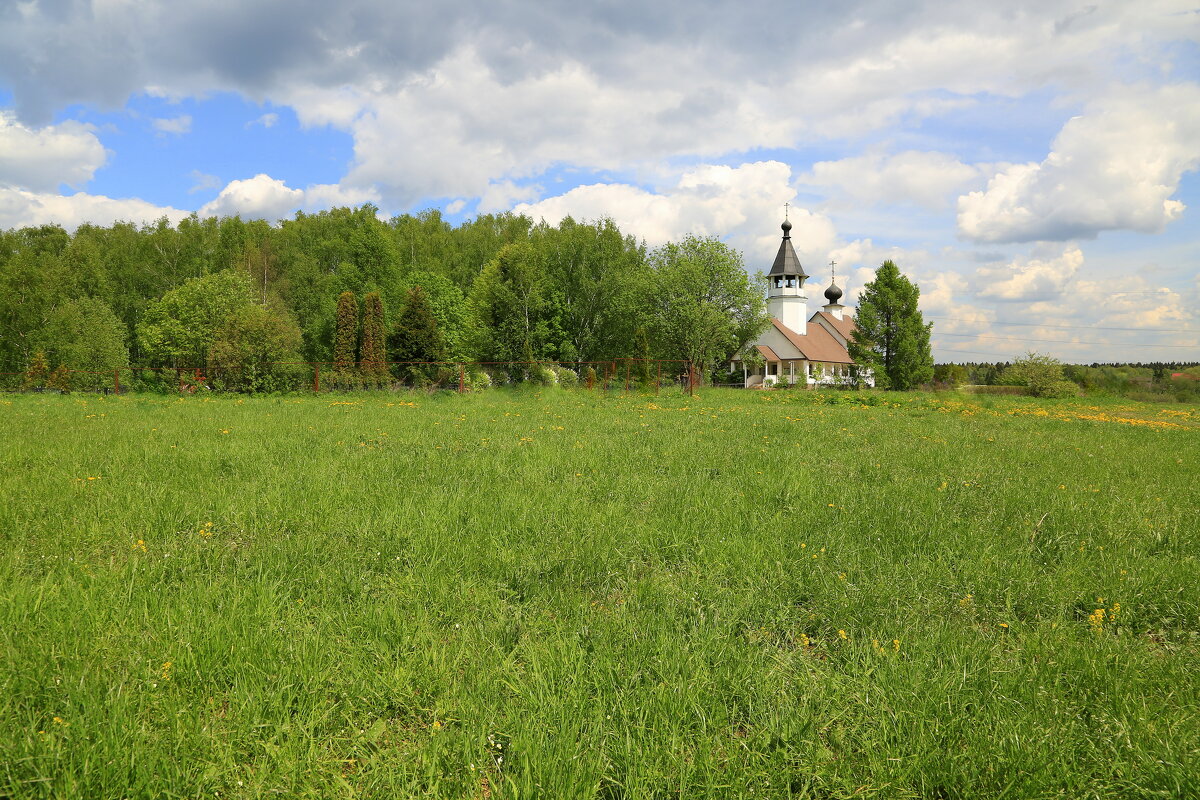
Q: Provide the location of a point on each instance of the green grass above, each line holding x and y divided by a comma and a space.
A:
574, 595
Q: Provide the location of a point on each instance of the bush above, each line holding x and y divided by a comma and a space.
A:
590, 377
541, 375
1042, 375
477, 380
246, 352
566, 377
1059, 389
86, 337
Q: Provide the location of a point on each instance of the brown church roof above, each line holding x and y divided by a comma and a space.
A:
816, 345
767, 353
845, 326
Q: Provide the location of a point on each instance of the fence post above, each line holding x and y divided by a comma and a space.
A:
691, 379
628, 366
316, 376
116, 381
658, 379
462, 375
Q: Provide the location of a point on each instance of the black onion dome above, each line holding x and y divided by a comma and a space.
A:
833, 293
787, 228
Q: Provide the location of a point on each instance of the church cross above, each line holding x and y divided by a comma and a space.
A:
785, 210
833, 268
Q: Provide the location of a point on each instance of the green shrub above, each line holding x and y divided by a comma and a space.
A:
566, 377
542, 375
1041, 374
1059, 389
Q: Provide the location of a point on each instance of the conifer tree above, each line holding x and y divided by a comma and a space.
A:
643, 344
345, 337
416, 338
374, 354
38, 372
60, 379
890, 337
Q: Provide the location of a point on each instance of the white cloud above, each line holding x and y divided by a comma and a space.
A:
264, 197
922, 178
1029, 279
20, 208
40, 159
204, 181
1115, 167
267, 120
501, 195
739, 204
176, 126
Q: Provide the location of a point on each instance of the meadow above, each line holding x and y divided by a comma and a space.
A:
567, 594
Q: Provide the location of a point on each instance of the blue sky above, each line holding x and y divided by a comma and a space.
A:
1033, 165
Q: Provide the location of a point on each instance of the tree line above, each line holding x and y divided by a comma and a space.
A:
345, 287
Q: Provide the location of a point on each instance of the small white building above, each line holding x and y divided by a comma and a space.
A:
797, 348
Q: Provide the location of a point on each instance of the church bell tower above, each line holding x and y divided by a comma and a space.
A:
786, 298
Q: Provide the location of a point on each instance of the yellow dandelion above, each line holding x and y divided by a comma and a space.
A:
842, 635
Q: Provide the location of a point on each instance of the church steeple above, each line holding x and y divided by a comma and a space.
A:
786, 300
833, 294
786, 262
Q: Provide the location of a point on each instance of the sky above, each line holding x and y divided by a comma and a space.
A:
1032, 166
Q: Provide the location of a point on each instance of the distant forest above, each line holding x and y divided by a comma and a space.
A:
498, 287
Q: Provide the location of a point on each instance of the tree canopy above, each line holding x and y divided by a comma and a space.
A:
500, 287
891, 338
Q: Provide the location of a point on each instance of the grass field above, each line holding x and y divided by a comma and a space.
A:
564, 594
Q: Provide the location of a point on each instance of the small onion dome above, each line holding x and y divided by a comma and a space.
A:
833, 293
787, 227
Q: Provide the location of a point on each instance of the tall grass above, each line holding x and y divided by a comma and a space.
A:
565, 594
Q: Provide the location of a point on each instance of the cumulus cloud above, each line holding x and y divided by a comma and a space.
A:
176, 126
1116, 167
502, 195
20, 208
926, 179
1027, 279
40, 159
264, 197
741, 204
444, 99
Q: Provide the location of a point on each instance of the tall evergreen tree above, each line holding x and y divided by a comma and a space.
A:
891, 337
345, 338
374, 354
416, 338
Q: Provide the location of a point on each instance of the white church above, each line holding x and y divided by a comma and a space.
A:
796, 348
